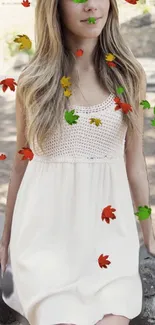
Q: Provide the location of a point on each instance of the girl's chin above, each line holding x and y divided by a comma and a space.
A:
91, 34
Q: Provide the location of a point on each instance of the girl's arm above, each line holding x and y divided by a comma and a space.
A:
18, 170
137, 171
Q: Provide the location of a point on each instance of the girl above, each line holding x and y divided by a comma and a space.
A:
74, 245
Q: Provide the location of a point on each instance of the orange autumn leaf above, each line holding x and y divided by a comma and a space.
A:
8, 82
133, 2
123, 106
25, 3
27, 152
103, 261
2, 157
108, 214
111, 64
79, 53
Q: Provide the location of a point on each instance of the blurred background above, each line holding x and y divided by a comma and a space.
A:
137, 24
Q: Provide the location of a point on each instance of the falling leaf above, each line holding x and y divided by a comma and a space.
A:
108, 214
8, 82
65, 82
26, 3
70, 117
2, 157
153, 122
110, 57
25, 42
143, 212
123, 106
91, 20
120, 90
79, 1
133, 2
96, 121
111, 64
103, 261
67, 93
27, 152
79, 53
145, 104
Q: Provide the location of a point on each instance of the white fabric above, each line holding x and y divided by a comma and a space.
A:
57, 231
13, 300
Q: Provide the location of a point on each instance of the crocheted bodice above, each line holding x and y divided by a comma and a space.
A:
85, 140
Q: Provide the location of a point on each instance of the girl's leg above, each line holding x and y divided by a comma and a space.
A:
113, 320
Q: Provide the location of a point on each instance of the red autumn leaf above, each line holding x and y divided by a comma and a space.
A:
108, 214
2, 157
133, 2
111, 64
25, 3
124, 106
103, 261
27, 152
79, 52
8, 82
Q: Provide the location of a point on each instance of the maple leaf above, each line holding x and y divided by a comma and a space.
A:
79, 1
65, 82
133, 2
110, 57
153, 122
103, 261
26, 3
79, 53
8, 82
25, 42
145, 104
91, 20
67, 93
2, 157
120, 90
143, 212
111, 64
124, 106
108, 214
96, 121
27, 152
70, 117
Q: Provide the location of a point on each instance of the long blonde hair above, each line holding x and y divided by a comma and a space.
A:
39, 83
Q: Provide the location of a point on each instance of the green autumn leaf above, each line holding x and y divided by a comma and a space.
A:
70, 117
91, 20
145, 104
143, 212
153, 122
79, 1
154, 109
120, 90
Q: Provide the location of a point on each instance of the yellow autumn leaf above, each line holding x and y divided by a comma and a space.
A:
65, 82
25, 42
96, 121
110, 57
67, 93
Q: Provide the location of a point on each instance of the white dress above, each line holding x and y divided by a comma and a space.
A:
62, 225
